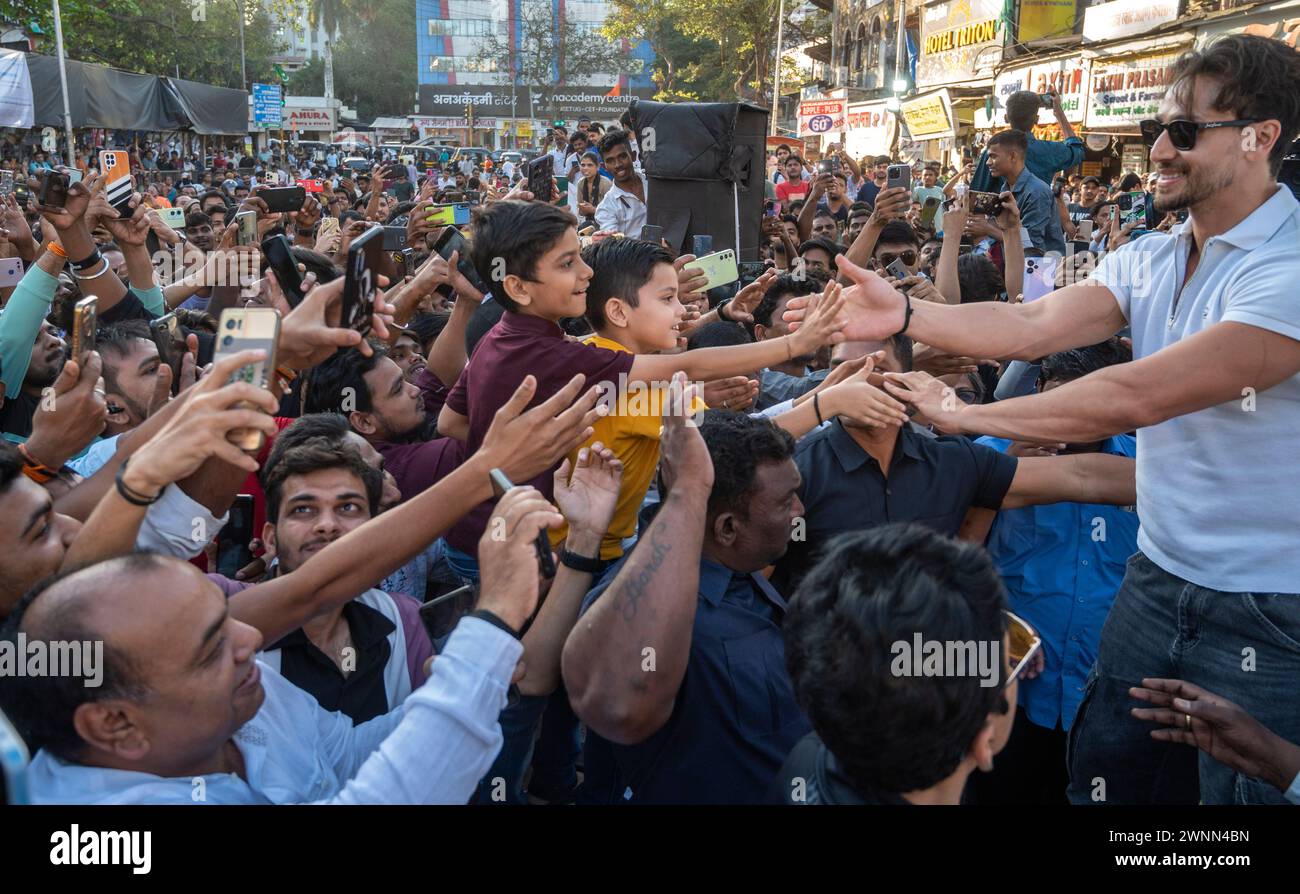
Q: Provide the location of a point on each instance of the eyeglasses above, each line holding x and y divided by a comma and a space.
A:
886, 258
1182, 133
1023, 643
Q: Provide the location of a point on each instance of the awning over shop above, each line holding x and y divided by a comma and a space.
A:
99, 96
210, 110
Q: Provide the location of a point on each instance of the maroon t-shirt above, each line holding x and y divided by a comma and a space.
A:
419, 466
517, 346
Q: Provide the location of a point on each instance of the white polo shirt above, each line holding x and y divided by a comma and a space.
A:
1217, 489
621, 211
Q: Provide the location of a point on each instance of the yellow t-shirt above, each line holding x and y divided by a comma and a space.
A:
631, 430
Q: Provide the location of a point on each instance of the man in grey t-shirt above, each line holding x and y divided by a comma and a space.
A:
1213, 596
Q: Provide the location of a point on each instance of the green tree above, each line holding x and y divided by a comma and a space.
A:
195, 39
716, 50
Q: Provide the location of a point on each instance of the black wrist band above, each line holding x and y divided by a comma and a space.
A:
721, 315
570, 559
89, 262
907, 316
132, 496
495, 621
817, 407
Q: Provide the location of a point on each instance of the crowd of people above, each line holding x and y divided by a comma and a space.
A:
951, 503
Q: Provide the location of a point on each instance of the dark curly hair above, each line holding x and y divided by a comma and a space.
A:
738, 445
869, 590
1257, 80
979, 278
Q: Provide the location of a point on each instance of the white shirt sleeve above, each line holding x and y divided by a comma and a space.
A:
177, 525
774, 410
438, 745
607, 212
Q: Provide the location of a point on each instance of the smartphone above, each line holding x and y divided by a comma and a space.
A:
406, 260
328, 227
442, 214
1040, 277
115, 168
248, 329
54, 189
441, 614
284, 198
246, 221
311, 185
279, 257
450, 241
652, 233
702, 245
720, 267
824, 166
1045, 100
173, 217
14, 760
985, 203
233, 538
83, 329
11, 272
1132, 207
897, 269
541, 170
166, 333
6, 183
928, 210
898, 175
1083, 230
365, 254
542, 545
394, 238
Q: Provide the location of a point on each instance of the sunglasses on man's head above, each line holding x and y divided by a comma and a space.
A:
886, 257
1182, 133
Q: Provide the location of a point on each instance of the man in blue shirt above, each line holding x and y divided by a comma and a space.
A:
1044, 158
677, 664
1038, 214
1062, 565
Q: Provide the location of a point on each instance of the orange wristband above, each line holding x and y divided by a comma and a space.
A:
58, 250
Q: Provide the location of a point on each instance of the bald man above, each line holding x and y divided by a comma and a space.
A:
185, 712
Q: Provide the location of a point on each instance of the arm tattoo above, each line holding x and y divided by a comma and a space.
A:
641, 578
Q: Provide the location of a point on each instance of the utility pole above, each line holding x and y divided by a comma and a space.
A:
776, 82
243, 65
63, 81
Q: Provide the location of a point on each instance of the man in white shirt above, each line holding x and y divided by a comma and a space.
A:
623, 210
187, 712
1214, 394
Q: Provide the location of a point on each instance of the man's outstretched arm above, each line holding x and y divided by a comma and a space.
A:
1080, 478
1227, 362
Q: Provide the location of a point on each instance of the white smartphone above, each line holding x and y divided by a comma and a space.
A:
11, 271
1040, 277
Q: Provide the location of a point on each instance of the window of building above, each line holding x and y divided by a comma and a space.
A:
461, 27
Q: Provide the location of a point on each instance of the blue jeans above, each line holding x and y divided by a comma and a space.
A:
1242, 646
504, 781
463, 564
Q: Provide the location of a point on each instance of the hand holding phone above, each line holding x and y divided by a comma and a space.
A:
361, 280
501, 485
84, 322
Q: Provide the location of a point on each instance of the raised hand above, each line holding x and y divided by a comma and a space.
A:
684, 458
874, 309
935, 402
70, 415
526, 444
588, 493
732, 393
212, 410
823, 323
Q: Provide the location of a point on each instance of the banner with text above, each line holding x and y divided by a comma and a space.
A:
1124, 92
1068, 77
929, 117
819, 116
870, 130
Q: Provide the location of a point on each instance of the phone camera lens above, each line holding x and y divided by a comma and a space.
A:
228, 341
230, 324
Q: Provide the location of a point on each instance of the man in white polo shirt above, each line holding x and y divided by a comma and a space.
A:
1213, 595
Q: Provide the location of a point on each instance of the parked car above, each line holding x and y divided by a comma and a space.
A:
477, 153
